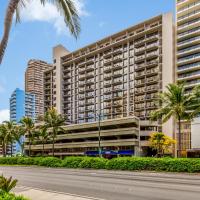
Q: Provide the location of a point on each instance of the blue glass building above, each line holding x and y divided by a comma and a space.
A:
21, 104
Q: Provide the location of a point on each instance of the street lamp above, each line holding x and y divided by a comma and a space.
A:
99, 135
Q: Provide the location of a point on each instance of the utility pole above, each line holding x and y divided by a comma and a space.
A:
99, 131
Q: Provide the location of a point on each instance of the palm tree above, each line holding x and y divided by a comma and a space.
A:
54, 121
175, 103
43, 135
3, 139
28, 127
19, 135
10, 131
65, 7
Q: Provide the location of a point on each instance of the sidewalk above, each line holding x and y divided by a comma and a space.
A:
37, 194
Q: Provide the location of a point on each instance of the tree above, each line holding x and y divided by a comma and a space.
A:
19, 137
28, 128
3, 139
54, 121
43, 135
175, 103
10, 131
160, 142
65, 7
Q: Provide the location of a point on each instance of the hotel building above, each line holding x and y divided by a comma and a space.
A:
188, 56
34, 83
112, 80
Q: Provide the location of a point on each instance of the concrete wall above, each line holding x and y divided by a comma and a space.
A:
168, 67
58, 52
195, 133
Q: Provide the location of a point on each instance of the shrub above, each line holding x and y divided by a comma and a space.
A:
93, 163
8, 196
123, 163
49, 162
72, 162
7, 184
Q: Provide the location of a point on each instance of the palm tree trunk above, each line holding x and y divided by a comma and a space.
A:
11, 149
3, 149
29, 149
53, 145
12, 5
43, 149
179, 138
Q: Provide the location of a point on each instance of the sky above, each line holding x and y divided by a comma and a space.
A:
42, 28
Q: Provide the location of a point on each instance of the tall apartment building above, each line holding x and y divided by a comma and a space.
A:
188, 54
117, 77
21, 104
34, 83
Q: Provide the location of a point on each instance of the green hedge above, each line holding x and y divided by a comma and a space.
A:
123, 163
9, 196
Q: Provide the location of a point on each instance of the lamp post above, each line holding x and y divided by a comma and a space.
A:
99, 134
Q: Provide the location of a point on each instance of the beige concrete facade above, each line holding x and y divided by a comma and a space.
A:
118, 76
34, 83
77, 139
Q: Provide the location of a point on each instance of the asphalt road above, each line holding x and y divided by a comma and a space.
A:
109, 185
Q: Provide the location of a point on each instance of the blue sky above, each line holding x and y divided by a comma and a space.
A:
41, 29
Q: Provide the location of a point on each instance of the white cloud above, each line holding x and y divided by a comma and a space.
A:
4, 115
34, 11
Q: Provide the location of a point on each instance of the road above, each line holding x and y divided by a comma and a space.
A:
109, 185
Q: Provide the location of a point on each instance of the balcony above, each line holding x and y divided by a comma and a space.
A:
90, 96
189, 42
107, 84
82, 77
188, 59
189, 50
108, 76
140, 75
117, 59
107, 98
82, 84
89, 68
108, 69
117, 82
152, 55
188, 8
140, 83
108, 54
107, 62
188, 25
152, 46
140, 50
89, 82
89, 89
89, 75
81, 97
117, 74
117, 67
187, 16
65, 83
81, 91
139, 58
152, 38
152, 80
153, 88
90, 61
